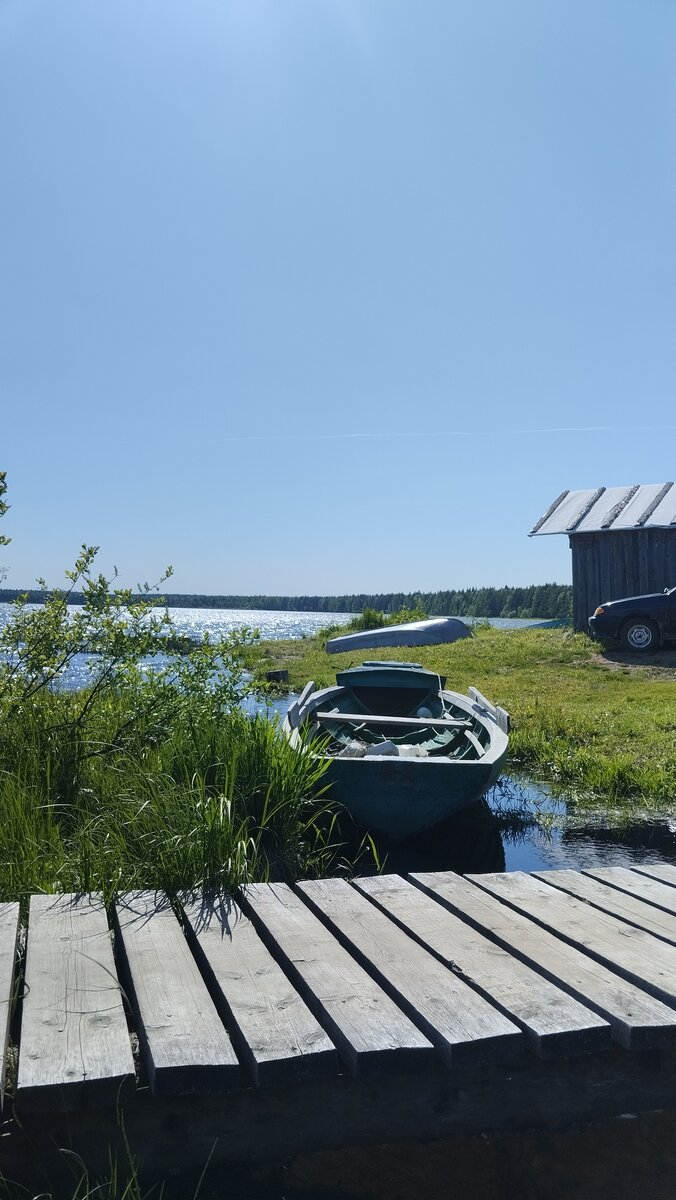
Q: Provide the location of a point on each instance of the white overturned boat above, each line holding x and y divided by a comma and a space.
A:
430, 632
404, 753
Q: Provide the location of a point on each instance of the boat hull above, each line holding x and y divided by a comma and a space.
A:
411, 633
402, 797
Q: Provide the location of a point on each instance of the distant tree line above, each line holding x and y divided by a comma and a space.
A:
539, 600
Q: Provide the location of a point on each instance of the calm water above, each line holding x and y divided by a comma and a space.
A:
520, 827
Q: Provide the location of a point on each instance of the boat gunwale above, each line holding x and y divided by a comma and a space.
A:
498, 743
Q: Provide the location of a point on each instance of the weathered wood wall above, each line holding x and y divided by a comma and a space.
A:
612, 564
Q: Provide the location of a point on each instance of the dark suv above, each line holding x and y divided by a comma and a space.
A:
639, 622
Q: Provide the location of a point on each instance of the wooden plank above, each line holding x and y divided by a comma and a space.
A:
633, 953
474, 741
272, 1028
611, 900
9, 932
186, 1047
554, 1023
464, 1027
478, 698
503, 718
370, 1031
662, 871
293, 715
341, 718
637, 1020
306, 693
74, 1043
652, 891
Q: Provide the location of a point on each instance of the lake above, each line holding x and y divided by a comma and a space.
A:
522, 825
218, 623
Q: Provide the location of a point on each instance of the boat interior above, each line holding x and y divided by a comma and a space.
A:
385, 710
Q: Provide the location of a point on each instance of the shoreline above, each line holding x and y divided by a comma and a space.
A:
583, 719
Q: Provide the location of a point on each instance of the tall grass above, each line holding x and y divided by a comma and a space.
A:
210, 803
151, 776
371, 618
69, 1177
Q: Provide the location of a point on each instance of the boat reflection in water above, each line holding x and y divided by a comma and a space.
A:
468, 843
522, 825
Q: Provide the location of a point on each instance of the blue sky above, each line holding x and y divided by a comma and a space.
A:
331, 295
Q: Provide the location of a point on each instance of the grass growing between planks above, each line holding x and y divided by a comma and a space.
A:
605, 735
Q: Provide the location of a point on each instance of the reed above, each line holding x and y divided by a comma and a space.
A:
212, 803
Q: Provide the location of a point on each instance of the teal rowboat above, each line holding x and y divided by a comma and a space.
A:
403, 753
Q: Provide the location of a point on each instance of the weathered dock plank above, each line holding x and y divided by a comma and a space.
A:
9, 932
653, 891
74, 1044
368, 1028
611, 900
186, 1046
637, 1020
464, 1027
273, 1030
554, 1022
626, 949
354, 954
666, 872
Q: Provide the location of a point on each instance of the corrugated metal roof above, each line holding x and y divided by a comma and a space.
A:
595, 510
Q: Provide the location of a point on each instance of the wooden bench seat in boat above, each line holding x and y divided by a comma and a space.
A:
341, 718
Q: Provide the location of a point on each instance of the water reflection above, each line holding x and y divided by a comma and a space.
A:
653, 840
540, 831
469, 843
522, 826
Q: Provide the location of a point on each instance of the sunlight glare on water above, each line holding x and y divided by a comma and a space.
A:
218, 623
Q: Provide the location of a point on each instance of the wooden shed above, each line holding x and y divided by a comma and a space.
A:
623, 541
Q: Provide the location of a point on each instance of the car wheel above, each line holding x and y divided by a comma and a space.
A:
641, 635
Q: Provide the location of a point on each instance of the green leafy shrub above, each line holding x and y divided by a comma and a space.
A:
150, 775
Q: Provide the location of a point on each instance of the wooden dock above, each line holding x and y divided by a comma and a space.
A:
336, 1013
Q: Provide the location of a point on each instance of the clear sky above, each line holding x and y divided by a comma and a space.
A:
314, 296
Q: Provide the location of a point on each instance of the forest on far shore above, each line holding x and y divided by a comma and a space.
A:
549, 600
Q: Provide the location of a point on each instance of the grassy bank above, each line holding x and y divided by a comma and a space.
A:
207, 803
151, 776
606, 735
